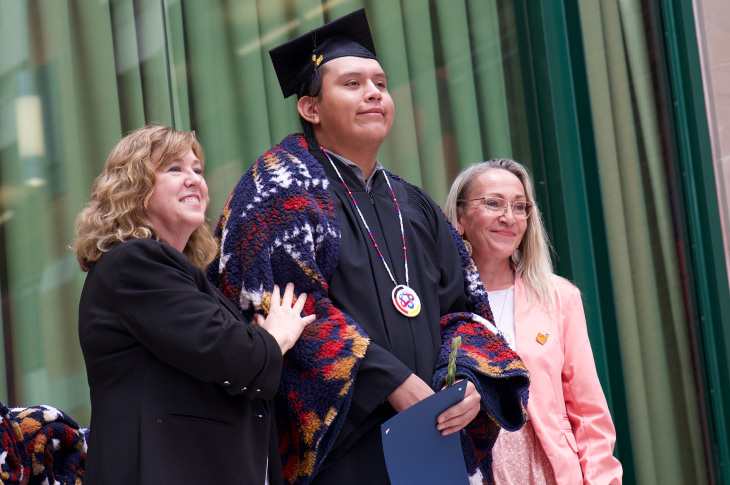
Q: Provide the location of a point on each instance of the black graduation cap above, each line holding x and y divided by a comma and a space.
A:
346, 36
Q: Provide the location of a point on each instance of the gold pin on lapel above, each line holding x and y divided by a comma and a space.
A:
541, 339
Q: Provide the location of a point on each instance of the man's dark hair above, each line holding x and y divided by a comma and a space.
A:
311, 86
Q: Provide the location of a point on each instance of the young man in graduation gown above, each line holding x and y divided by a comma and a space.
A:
381, 267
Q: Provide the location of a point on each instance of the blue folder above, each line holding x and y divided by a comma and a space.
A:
415, 451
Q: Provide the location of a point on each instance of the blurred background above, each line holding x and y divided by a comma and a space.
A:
619, 107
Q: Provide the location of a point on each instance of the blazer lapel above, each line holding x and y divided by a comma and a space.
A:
526, 325
520, 309
532, 323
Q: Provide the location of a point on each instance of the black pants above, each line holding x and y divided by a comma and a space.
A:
362, 464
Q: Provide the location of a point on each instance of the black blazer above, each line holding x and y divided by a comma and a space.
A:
181, 385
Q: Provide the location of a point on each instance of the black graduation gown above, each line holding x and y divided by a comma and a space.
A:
361, 287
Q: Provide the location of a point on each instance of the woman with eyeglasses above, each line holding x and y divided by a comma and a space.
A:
569, 436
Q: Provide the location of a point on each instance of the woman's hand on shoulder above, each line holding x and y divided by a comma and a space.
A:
284, 321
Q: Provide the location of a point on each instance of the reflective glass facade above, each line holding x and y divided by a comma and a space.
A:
583, 92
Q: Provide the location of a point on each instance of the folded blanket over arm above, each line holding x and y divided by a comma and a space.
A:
11, 467
497, 372
41, 444
500, 378
280, 226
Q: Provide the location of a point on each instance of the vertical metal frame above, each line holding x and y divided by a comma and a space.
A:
711, 291
565, 167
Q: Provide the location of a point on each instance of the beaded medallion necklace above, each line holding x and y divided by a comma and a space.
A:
404, 297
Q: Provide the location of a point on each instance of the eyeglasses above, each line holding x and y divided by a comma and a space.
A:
497, 205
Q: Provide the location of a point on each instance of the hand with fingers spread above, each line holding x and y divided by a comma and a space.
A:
284, 321
461, 414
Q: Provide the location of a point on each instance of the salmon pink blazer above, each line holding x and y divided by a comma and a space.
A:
567, 406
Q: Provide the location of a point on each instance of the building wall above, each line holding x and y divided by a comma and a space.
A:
713, 32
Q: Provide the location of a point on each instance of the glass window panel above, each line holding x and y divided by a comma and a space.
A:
76, 76
79, 76
636, 163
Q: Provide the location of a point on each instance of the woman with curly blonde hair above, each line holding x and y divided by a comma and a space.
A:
120, 196
181, 384
569, 436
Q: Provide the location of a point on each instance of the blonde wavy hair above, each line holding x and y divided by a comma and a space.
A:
532, 258
116, 210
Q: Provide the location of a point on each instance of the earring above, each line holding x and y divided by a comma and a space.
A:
468, 246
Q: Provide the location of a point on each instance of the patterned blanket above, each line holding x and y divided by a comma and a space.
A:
40, 445
483, 353
279, 225
501, 380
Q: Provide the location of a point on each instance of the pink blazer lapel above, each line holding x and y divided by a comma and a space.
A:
524, 326
532, 325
